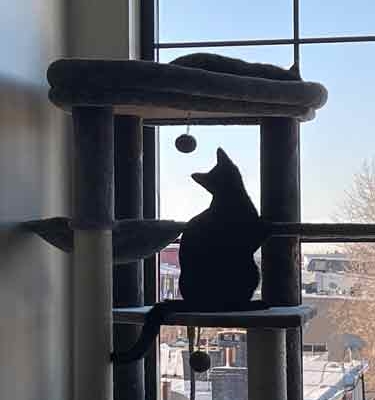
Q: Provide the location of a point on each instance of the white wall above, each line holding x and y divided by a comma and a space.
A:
34, 340
35, 346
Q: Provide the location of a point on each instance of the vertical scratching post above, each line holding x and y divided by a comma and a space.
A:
128, 280
93, 213
280, 201
266, 362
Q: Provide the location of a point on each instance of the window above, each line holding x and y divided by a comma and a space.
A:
333, 43
336, 18
223, 20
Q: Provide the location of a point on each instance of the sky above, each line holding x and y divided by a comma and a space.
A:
333, 145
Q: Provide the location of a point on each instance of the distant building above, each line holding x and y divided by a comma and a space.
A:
169, 272
169, 275
332, 274
333, 286
169, 255
323, 380
321, 331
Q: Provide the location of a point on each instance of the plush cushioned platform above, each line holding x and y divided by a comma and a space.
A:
167, 93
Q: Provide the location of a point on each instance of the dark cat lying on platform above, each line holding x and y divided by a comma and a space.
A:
218, 271
228, 65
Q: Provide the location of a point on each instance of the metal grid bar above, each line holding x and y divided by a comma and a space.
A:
156, 28
149, 11
267, 42
296, 32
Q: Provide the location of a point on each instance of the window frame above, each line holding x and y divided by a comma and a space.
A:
150, 50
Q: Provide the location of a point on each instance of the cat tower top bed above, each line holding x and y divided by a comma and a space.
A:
169, 94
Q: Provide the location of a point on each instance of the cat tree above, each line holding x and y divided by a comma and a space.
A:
96, 92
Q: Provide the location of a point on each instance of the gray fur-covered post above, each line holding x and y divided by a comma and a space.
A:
93, 213
128, 279
280, 201
266, 364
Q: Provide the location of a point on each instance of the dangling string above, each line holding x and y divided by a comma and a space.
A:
199, 338
186, 143
199, 360
188, 123
191, 337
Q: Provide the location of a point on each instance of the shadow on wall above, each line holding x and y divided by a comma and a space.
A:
34, 277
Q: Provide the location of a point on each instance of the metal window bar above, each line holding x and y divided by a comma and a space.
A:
296, 32
267, 42
149, 34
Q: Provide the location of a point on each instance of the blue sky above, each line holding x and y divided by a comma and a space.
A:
333, 146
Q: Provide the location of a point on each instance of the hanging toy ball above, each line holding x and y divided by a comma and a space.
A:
200, 361
186, 143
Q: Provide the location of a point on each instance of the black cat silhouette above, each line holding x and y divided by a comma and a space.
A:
218, 271
228, 65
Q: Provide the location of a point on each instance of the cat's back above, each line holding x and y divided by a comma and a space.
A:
214, 264
209, 242
198, 234
219, 63
206, 230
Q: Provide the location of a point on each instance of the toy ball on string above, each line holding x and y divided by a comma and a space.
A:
200, 361
186, 143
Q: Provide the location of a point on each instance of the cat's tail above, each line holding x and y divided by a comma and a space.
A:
151, 328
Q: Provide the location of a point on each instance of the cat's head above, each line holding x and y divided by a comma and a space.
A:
222, 177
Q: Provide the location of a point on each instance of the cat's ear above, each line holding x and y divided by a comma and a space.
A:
294, 69
222, 157
202, 179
